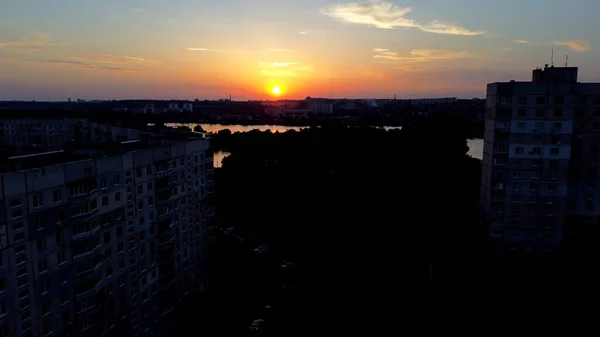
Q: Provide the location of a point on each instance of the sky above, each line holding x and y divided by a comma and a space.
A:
188, 49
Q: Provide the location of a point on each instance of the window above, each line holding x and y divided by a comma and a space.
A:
556, 126
149, 186
523, 100
104, 201
516, 198
148, 170
64, 297
3, 309
41, 244
559, 100
117, 179
42, 266
535, 175
539, 125
16, 214
540, 100
538, 138
103, 183
140, 189
558, 113
61, 257
550, 200
554, 150
60, 237
517, 175
37, 201
57, 195
551, 188
520, 150
60, 216
45, 287
537, 150
118, 197
521, 126
39, 223
522, 113
45, 308
532, 200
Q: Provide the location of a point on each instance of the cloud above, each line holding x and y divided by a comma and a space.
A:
275, 64
236, 51
576, 45
36, 42
81, 64
522, 41
303, 33
283, 69
420, 55
106, 58
506, 50
138, 10
386, 15
133, 58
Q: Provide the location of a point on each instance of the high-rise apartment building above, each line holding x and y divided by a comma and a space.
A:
540, 162
103, 239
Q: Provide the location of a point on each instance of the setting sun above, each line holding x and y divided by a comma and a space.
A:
276, 91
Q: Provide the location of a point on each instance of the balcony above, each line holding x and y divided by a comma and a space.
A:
87, 235
160, 173
83, 256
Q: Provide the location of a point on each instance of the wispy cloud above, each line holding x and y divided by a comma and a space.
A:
283, 69
106, 58
237, 51
275, 64
81, 64
138, 10
303, 33
522, 41
506, 50
420, 55
386, 15
576, 45
35, 42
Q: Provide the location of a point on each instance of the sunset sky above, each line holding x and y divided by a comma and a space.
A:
187, 49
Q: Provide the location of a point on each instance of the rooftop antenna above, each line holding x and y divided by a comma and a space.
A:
566, 60
552, 58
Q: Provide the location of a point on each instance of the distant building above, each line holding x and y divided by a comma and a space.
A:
180, 107
427, 101
540, 187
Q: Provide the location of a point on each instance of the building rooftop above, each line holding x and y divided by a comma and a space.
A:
73, 152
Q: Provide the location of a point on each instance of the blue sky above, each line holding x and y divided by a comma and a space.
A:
54, 49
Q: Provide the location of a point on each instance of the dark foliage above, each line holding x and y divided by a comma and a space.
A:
361, 207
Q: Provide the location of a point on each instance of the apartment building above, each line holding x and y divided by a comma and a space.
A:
103, 240
540, 162
30, 135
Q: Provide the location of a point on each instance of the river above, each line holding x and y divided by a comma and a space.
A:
475, 145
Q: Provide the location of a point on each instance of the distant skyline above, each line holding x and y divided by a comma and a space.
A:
187, 49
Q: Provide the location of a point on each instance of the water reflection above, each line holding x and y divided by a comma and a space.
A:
475, 145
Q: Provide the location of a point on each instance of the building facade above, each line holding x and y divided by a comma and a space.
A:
104, 245
540, 162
